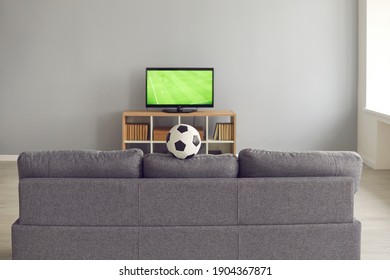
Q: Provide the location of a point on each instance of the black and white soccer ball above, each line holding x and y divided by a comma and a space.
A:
183, 141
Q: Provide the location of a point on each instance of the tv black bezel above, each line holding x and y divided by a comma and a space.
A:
179, 106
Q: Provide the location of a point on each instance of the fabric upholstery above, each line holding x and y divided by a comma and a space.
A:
261, 163
81, 164
74, 243
78, 202
292, 242
188, 243
200, 166
94, 205
192, 201
316, 200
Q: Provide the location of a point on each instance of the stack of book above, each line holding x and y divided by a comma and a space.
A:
137, 131
160, 133
224, 132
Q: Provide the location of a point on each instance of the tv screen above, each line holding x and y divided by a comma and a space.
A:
179, 87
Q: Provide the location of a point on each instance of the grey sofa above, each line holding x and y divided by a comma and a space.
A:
126, 205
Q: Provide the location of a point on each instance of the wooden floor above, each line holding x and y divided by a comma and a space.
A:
372, 208
9, 210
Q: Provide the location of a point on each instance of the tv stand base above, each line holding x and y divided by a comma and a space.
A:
179, 109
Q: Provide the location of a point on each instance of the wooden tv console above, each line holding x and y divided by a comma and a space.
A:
218, 129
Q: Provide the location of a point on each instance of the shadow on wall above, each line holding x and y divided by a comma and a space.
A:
136, 94
109, 131
129, 95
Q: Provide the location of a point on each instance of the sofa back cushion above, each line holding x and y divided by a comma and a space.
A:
81, 164
295, 200
261, 163
79, 201
188, 201
200, 166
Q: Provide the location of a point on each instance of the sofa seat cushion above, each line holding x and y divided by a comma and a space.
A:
200, 166
74, 242
261, 163
81, 164
188, 243
334, 241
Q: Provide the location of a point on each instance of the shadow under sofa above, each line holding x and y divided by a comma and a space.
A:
126, 205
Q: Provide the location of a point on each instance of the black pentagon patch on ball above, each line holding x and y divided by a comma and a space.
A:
180, 146
190, 156
168, 137
196, 140
182, 128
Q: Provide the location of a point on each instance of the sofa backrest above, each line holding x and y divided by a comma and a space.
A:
201, 166
132, 163
185, 201
81, 164
56, 187
261, 163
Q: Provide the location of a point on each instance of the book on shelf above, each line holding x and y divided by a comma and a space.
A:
215, 132
137, 131
223, 132
160, 133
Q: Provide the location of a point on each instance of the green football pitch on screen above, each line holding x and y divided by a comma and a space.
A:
179, 87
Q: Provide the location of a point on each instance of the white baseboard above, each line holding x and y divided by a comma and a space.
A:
8, 157
369, 162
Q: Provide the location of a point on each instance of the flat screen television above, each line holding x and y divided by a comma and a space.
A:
179, 88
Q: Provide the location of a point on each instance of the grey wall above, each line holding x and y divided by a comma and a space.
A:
69, 68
